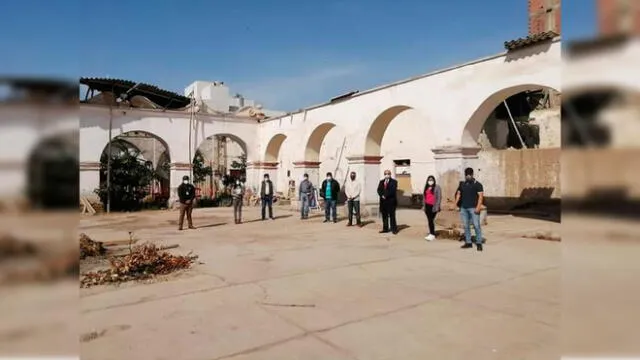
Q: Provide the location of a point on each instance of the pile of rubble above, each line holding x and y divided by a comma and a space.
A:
23, 261
89, 247
144, 262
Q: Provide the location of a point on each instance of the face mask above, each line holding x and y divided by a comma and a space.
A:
469, 178
328, 177
266, 179
387, 176
353, 178
430, 183
185, 181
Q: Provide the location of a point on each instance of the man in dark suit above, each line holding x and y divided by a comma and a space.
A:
266, 195
186, 194
387, 189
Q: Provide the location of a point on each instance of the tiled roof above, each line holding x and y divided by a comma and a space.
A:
166, 99
529, 40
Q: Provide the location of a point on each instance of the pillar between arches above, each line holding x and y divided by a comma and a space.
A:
176, 171
367, 169
256, 171
311, 168
450, 164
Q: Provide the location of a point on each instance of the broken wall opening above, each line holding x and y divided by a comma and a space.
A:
519, 160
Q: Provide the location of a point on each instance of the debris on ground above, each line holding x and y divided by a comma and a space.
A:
546, 235
89, 247
27, 262
12, 247
145, 261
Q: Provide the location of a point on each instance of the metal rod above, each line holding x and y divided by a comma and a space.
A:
109, 158
514, 124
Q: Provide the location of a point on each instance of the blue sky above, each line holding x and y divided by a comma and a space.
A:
286, 54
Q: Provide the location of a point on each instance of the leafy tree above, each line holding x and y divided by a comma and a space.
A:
130, 180
200, 170
240, 165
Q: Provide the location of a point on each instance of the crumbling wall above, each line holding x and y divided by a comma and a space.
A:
549, 124
513, 176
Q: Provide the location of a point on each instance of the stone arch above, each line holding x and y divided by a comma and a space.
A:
53, 172
157, 153
237, 139
272, 151
476, 121
373, 141
314, 143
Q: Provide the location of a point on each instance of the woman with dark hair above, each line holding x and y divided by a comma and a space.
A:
432, 199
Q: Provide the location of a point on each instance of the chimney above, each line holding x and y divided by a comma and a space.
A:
544, 15
618, 17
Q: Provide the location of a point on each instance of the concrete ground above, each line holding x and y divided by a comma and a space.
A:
287, 289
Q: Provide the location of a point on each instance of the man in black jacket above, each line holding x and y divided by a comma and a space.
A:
266, 194
388, 202
186, 194
329, 192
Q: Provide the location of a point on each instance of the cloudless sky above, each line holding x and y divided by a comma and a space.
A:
286, 54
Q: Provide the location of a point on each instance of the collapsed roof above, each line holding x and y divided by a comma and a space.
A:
138, 94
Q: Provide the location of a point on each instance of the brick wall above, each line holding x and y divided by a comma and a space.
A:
544, 15
612, 13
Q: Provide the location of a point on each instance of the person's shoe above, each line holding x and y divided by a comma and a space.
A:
326, 221
179, 229
395, 232
359, 224
192, 227
349, 224
479, 247
335, 221
432, 237
466, 246
273, 218
383, 231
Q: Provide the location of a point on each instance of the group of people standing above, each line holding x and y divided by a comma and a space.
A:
469, 198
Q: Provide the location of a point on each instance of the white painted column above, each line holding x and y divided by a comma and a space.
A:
176, 172
89, 179
311, 168
367, 169
450, 164
256, 171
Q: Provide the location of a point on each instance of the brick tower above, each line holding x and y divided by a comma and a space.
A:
544, 15
618, 17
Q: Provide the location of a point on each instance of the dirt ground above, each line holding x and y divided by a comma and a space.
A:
288, 289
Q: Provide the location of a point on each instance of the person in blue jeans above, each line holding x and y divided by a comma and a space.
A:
469, 197
329, 192
304, 196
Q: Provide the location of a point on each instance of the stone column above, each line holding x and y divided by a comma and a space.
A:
89, 179
256, 171
367, 169
311, 168
450, 164
176, 172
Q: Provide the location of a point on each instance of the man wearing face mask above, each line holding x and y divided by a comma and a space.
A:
237, 193
304, 196
352, 190
266, 194
469, 198
186, 194
387, 189
329, 192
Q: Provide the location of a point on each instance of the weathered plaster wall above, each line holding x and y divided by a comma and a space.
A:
528, 173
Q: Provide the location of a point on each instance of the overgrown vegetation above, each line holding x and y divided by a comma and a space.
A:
131, 178
200, 171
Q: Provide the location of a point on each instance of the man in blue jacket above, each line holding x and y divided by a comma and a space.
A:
329, 192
